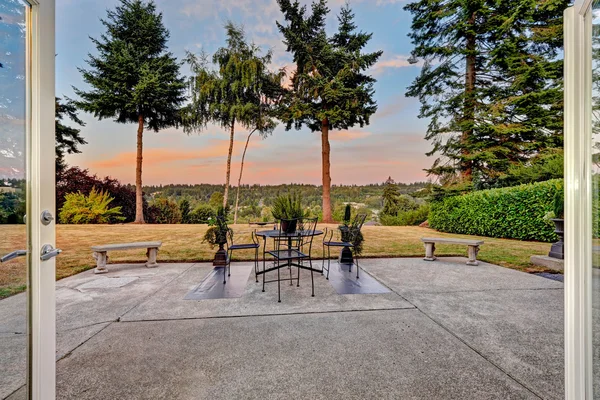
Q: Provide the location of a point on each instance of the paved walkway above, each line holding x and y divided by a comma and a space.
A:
445, 331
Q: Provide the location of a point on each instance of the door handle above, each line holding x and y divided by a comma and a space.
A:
48, 252
14, 254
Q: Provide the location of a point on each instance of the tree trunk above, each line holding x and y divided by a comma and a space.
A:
139, 196
466, 167
228, 175
326, 152
237, 195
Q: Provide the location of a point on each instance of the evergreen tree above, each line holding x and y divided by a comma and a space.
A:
391, 197
490, 82
134, 78
239, 92
185, 209
525, 111
329, 88
68, 139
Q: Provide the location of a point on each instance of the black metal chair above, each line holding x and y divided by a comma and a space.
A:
352, 237
291, 247
231, 247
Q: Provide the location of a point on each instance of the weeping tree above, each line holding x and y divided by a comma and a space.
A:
264, 126
236, 90
329, 88
134, 79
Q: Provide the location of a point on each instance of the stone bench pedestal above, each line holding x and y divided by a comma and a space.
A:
101, 253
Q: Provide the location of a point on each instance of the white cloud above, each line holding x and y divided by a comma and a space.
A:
394, 62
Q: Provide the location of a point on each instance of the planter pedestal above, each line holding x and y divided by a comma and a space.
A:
220, 259
558, 249
346, 256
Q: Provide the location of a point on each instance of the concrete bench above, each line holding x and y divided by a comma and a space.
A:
101, 256
473, 247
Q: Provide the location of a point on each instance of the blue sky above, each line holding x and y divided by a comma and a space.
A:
392, 145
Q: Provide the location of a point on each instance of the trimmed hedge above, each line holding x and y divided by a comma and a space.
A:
513, 212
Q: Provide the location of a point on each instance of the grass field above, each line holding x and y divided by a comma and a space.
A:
183, 243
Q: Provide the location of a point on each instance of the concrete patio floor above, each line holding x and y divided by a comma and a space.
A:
445, 331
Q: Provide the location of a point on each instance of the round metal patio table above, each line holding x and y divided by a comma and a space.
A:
276, 234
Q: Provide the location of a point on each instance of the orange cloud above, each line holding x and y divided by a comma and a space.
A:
346, 136
217, 148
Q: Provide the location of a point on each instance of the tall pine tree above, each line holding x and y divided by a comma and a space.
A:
329, 88
134, 79
490, 83
524, 113
450, 37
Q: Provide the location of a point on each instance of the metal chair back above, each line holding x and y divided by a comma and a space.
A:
307, 228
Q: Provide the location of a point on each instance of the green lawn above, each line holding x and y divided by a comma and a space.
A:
184, 243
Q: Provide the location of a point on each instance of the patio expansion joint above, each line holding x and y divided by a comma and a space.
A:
270, 315
68, 354
508, 374
485, 290
87, 326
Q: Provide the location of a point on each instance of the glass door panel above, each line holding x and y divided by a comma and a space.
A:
595, 143
15, 125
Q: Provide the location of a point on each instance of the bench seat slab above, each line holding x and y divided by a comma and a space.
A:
472, 245
101, 256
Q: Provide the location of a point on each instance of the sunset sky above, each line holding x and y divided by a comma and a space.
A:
392, 145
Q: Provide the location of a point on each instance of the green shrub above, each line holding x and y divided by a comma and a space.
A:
514, 212
12, 207
164, 211
91, 209
407, 218
202, 214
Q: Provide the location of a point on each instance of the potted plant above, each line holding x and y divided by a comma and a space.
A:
346, 235
216, 235
557, 249
288, 207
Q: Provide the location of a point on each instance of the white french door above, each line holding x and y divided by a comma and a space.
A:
27, 184
582, 200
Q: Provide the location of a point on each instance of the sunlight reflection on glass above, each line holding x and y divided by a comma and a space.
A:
13, 132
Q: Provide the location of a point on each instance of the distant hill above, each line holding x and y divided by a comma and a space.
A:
262, 195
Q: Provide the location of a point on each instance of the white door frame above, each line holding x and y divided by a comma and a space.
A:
41, 196
578, 200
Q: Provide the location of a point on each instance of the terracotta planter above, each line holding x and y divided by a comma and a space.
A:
220, 259
289, 226
558, 248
